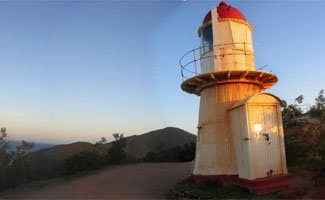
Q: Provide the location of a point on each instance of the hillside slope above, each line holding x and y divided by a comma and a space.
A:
138, 146
47, 163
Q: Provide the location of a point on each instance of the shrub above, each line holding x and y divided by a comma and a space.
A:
116, 153
176, 154
85, 160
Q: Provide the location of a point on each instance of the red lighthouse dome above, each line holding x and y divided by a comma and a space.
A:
226, 11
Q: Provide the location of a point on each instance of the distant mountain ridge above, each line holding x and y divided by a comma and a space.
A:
137, 146
49, 162
37, 145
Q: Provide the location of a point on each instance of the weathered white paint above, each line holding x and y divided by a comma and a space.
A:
229, 107
207, 62
216, 154
255, 155
233, 44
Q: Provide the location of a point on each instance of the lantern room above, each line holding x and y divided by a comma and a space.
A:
226, 40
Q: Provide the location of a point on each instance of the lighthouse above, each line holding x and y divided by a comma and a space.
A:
240, 136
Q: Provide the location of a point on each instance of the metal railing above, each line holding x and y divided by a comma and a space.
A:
191, 61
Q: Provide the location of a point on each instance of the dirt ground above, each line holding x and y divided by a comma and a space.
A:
137, 181
303, 186
145, 181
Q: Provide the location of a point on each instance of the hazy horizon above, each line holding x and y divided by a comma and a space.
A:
78, 71
107, 136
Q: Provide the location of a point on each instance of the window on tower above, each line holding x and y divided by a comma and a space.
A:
206, 39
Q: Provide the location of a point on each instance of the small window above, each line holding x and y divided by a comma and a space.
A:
207, 39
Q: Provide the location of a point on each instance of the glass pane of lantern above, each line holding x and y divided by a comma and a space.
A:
207, 39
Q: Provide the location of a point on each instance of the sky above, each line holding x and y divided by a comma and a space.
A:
81, 70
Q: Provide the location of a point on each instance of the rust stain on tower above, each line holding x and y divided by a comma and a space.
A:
240, 134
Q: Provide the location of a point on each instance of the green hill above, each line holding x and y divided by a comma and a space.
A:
48, 163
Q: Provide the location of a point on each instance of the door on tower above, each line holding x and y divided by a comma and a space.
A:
266, 148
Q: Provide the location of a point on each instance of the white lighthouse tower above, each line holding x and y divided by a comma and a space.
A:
240, 135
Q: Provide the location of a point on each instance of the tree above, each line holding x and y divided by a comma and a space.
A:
4, 156
293, 110
320, 100
4, 148
101, 141
283, 103
299, 99
117, 153
13, 165
318, 110
23, 149
18, 166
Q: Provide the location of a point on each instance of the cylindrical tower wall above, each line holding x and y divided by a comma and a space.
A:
233, 45
230, 45
215, 153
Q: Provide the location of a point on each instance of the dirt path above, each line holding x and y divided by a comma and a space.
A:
137, 181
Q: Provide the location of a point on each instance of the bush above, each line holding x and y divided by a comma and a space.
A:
116, 153
13, 164
85, 160
305, 145
176, 154
215, 190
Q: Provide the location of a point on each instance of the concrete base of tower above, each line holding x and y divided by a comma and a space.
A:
258, 186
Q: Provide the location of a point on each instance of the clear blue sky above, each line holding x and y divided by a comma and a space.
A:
74, 71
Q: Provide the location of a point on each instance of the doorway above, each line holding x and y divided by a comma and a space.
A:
266, 141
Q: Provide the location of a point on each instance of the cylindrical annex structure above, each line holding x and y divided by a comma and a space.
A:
226, 75
215, 152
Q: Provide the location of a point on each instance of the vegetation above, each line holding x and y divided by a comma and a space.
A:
215, 190
93, 159
291, 111
88, 159
13, 163
116, 153
83, 161
305, 133
318, 110
176, 154
305, 146
138, 146
80, 157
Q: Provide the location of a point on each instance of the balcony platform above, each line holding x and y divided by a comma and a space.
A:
196, 84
